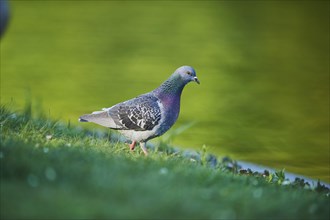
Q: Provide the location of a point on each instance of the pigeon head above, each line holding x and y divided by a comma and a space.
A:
187, 74
174, 85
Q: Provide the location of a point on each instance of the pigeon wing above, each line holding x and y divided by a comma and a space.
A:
139, 114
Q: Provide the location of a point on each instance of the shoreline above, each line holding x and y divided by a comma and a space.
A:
288, 175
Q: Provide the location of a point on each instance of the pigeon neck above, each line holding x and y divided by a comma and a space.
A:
173, 86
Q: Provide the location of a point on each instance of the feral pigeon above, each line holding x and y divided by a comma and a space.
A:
149, 115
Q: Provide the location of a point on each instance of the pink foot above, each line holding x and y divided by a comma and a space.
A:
132, 145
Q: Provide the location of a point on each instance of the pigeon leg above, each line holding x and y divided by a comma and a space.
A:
132, 145
143, 147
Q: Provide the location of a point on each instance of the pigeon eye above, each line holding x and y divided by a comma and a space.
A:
189, 73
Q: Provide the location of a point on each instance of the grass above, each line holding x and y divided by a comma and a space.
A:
51, 170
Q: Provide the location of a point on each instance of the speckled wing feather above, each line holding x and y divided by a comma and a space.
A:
140, 114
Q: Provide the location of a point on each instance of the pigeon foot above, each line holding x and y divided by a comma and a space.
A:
132, 145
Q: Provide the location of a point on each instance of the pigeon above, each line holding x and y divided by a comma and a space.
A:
149, 115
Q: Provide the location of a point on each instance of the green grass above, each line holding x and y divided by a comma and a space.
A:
53, 170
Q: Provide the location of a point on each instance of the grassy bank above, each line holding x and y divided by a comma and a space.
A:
53, 170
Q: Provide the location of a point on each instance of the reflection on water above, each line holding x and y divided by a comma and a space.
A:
263, 67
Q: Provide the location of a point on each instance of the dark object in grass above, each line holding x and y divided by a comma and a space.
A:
4, 16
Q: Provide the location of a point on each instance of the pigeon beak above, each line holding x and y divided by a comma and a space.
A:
196, 80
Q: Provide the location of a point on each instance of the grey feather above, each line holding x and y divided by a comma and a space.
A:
139, 114
101, 118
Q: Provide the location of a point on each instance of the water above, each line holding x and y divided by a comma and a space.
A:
263, 67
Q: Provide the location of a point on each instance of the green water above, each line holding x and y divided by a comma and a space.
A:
263, 67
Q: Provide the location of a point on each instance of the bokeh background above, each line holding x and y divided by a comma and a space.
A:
263, 67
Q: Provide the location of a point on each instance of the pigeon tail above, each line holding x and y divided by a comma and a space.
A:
99, 117
82, 120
